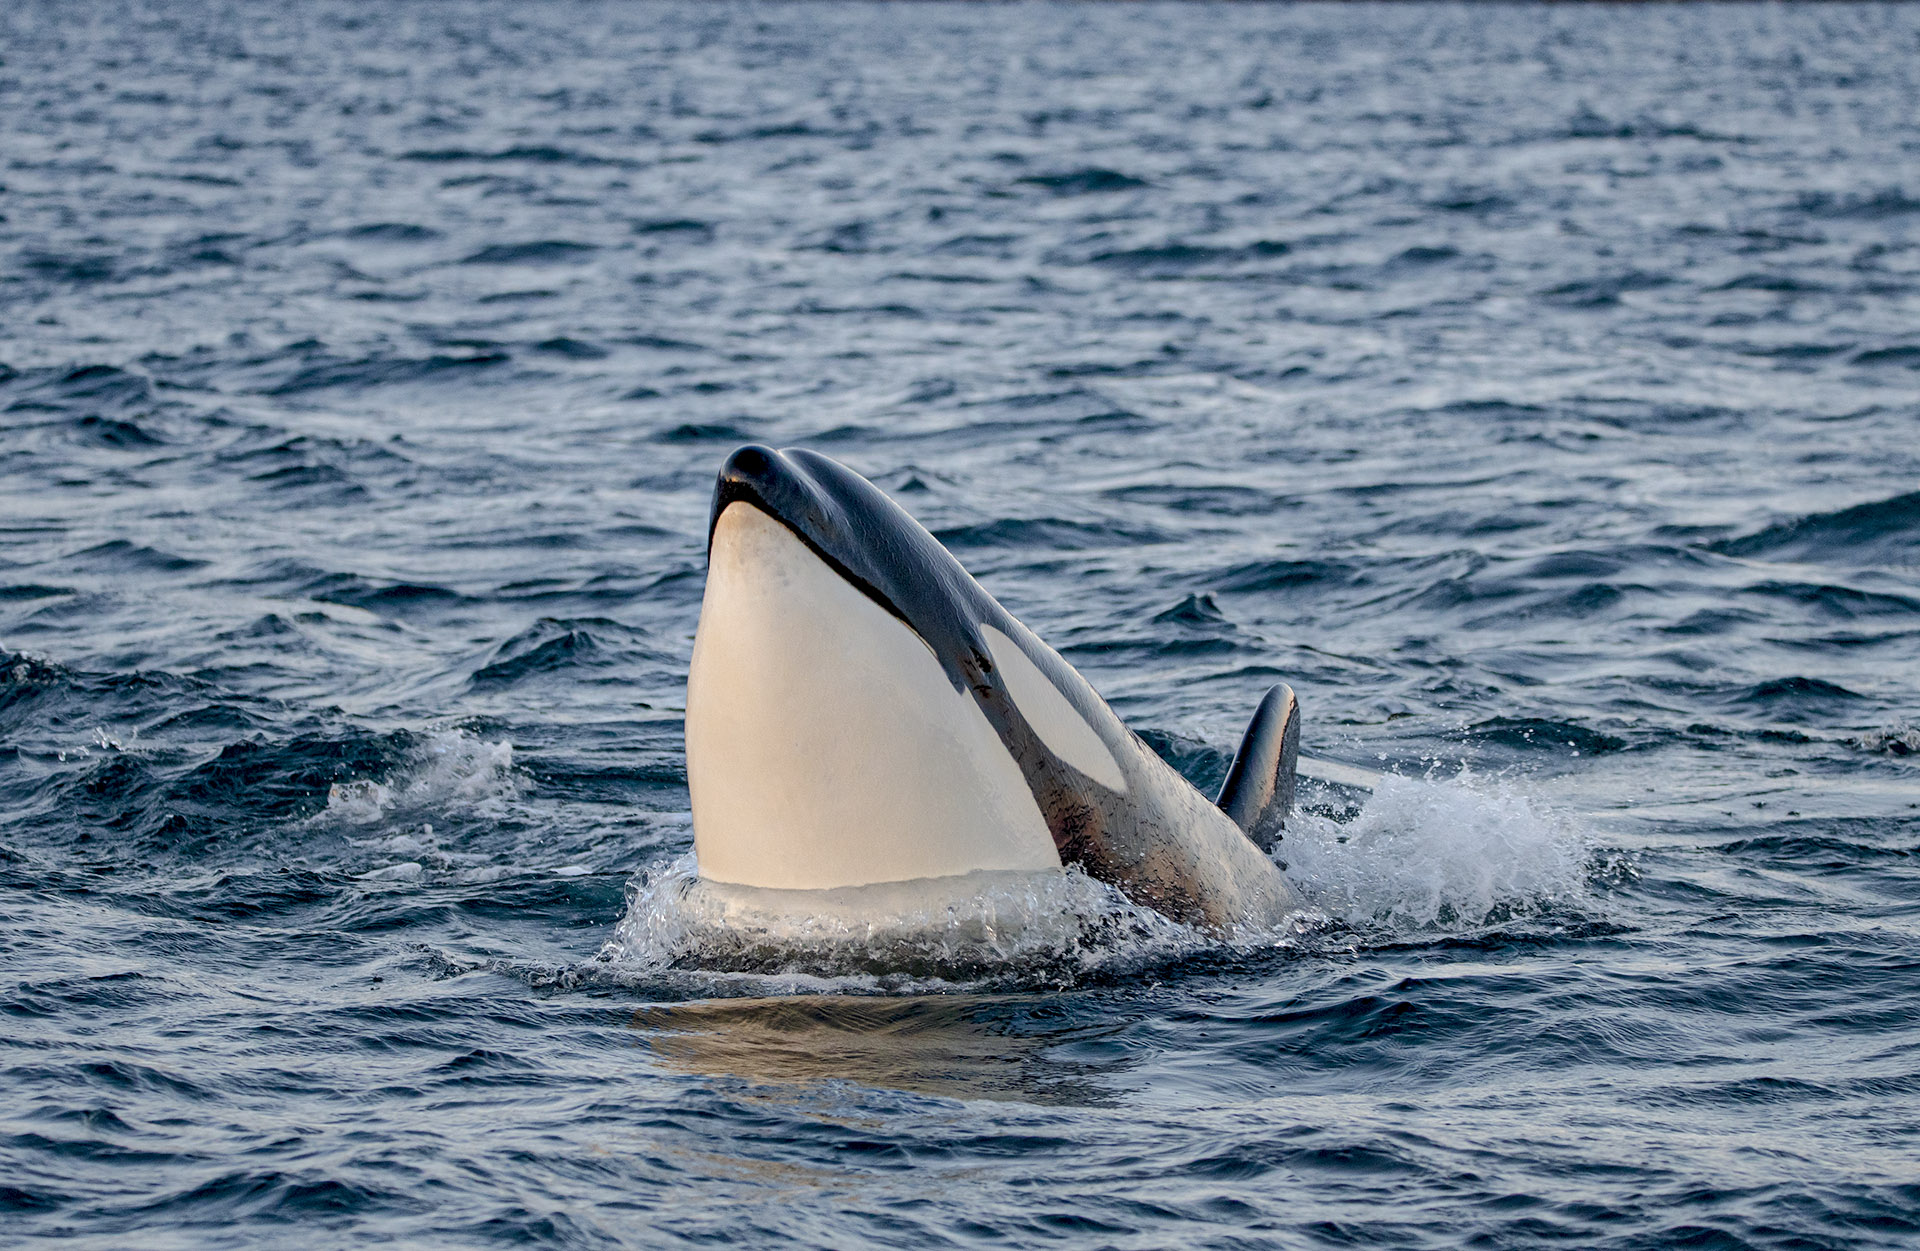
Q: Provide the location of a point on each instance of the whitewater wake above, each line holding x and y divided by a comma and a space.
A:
1421, 858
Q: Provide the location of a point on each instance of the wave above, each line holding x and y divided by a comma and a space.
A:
109, 432
21, 591
1798, 692
1819, 851
571, 348
393, 232
1181, 257
1217, 500
1092, 180
391, 599
74, 268
443, 769
1201, 763
538, 252
529, 154
773, 130
1543, 734
1281, 574
120, 556
1042, 534
1907, 355
1881, 205
1876, 533
139, 799
1199, 612
1893, 740
1843, 603
674, 226
380, 371
1603, 291
704, 432
99, 388
554, 644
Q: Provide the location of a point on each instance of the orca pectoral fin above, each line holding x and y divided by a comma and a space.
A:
1258, 792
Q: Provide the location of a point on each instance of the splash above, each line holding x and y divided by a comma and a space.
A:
1424, 856
448, 772
1895, 740
1421, 858
980, 928
450, 768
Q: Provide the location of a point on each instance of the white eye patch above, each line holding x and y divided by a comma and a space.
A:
1057, 722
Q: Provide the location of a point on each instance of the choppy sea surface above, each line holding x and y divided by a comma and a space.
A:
1536, 389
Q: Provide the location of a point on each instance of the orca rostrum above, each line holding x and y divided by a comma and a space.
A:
860, 710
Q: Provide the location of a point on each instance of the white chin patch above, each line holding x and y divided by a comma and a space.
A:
825, 745
1054, 718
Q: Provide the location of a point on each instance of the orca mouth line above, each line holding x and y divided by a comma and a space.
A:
812, 496
755, 473
832, 562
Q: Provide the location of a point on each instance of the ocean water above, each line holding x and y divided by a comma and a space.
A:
1536, 389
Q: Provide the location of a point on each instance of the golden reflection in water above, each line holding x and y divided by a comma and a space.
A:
956, 1046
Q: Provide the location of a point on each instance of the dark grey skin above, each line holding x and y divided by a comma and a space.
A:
1159, 841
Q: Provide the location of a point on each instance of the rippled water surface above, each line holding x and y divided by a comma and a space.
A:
1535, 389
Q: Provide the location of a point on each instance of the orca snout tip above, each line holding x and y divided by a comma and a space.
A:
752, 462
751, 473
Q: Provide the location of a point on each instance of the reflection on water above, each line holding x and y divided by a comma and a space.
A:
953, 1046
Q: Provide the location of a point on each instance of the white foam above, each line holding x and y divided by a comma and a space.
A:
1422, 858
407, 844
359, 802
1899, 739
449, 769
1027, 925
1425, 855
406, 871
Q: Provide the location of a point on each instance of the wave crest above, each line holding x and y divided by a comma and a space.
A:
447, 768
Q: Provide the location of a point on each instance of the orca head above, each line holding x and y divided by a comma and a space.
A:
861, 711
867, 540
848, 705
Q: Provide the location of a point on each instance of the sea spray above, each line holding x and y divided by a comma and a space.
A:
1429, 855
449, 768
1421, 857
1031, 928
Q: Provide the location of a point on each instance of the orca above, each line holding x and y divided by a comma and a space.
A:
861, 711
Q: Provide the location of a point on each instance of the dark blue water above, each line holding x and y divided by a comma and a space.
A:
1536, 389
